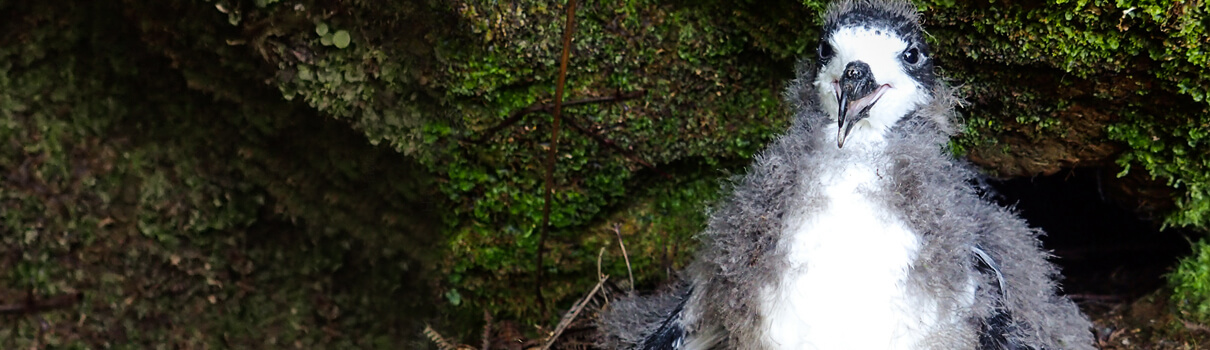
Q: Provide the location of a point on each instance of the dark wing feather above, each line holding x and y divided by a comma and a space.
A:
995, 332
671, 334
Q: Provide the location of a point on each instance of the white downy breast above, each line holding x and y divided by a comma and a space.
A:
846, 283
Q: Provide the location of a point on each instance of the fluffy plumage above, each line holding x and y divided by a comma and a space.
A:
975, 265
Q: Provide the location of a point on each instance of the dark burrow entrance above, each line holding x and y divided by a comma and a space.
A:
1107, 253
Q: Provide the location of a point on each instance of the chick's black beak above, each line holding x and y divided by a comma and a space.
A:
856, 92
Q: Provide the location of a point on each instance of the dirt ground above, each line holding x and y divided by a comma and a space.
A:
1145, 323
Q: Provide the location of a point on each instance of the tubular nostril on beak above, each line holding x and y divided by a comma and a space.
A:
855, 96
857, 70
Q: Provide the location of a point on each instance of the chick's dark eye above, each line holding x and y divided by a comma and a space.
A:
825, 51
911, 56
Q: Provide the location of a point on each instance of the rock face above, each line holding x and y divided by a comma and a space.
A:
237, 152
1111, 87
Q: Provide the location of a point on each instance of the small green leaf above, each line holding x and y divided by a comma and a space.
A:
341, 39
321, 29
304, 73
326, 40
454, 297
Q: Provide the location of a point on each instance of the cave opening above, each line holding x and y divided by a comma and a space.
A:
1107, 252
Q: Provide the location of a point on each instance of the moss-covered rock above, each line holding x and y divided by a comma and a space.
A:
1089, 82
296, 160
190, 205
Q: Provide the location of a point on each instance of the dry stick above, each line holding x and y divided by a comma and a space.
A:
545, 107
571, 314
602, 276
437, 339
617, 229
599, 256
554, 142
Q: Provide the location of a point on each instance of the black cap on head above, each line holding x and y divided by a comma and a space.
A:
897, 17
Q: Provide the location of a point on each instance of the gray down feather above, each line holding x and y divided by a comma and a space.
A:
738, 252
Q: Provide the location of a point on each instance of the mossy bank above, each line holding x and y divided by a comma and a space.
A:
319, 173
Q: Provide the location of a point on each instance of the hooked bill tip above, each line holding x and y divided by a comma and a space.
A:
851, 112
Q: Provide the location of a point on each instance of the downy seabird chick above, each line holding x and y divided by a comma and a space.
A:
857, 229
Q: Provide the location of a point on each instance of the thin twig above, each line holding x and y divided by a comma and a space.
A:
599, 256
548, 107
600, 275
617, 229
552, 153
607, 142
571, 314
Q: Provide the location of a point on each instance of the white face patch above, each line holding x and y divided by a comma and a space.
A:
881, 50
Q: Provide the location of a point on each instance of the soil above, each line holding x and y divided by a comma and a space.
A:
1145, 323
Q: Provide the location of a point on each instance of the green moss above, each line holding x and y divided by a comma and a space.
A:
710, 98
186, 153
184, 221
712, 73
1191, 284
1172, 147
690, 67
1139, 60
